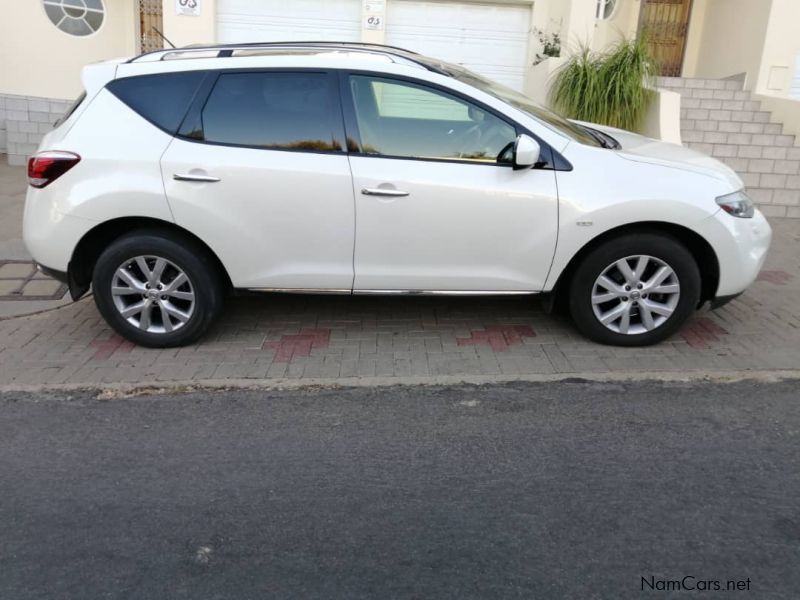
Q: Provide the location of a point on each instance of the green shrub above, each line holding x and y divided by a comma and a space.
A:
607, 88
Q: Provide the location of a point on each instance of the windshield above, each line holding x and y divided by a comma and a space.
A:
523, 103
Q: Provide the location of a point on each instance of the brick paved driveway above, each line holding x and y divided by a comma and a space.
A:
311, 338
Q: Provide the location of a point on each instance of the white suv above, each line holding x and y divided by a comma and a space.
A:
358, 169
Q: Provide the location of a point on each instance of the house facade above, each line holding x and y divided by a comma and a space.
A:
44, 43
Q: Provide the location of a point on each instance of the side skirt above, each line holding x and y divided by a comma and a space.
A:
347, 292
443, 292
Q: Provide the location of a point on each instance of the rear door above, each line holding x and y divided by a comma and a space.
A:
260, 173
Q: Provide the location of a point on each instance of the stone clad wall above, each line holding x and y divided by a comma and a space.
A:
23, 122
721, 119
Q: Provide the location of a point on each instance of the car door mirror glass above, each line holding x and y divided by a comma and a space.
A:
526, 152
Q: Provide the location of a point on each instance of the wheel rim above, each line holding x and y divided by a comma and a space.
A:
153, 294
635, 294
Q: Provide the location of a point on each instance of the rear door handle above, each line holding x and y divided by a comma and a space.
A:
383, 192
192, 177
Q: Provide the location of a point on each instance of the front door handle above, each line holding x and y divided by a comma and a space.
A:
192, 177
383, 192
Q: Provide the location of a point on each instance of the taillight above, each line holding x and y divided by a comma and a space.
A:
46, 167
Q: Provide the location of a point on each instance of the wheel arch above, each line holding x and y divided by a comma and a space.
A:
701, 250
97, 239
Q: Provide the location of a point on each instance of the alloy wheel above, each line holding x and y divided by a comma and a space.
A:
153, 294
635, 294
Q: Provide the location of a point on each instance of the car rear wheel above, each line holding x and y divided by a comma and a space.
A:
634, 290
156, 290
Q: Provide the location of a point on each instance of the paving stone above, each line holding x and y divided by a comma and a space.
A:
41, 287
17, 270
7, 286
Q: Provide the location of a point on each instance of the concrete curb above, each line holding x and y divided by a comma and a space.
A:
109, 391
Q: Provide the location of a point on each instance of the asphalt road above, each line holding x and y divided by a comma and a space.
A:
571, 490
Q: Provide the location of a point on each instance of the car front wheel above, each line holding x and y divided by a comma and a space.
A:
156, 290
634, 290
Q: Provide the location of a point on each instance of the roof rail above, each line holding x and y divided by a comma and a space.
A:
226, 50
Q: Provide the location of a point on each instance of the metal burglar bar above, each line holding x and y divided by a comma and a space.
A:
665, 23
150, 19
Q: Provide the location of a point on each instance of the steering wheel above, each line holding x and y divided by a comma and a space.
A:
469, 139
481, 140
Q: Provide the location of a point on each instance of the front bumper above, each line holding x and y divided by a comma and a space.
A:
741, 247
721, 301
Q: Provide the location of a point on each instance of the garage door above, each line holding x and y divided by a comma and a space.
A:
288, 20
489, 39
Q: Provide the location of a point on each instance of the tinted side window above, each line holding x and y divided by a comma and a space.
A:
162, 99
398, 118
278, 111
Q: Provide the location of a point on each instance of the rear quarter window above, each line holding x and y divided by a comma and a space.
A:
162, 99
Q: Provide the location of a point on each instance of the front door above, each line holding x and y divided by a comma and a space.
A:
261, 175
150, 25
438, 206
666, 23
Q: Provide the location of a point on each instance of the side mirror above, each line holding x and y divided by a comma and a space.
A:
526, 152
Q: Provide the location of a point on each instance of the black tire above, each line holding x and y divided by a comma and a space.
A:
186, 255
657, 245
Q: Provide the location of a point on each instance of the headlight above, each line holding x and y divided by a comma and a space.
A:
737, 204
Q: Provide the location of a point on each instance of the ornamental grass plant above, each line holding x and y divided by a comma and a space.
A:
610, 88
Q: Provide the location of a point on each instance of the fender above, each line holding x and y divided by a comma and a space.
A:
590, 208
